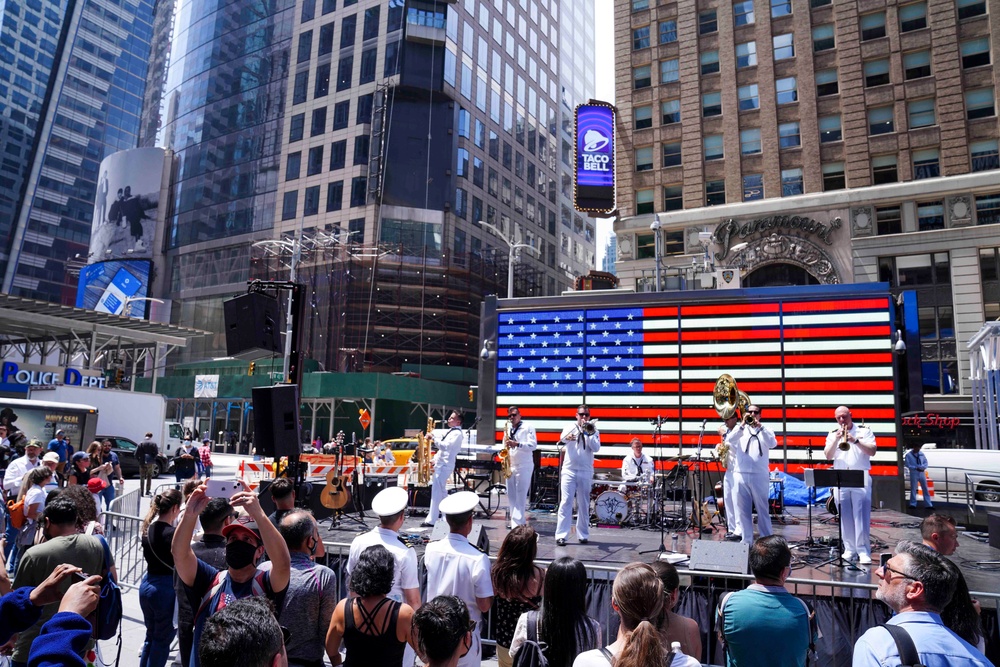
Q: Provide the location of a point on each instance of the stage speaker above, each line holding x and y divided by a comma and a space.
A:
477, 537
733, 557
420, 498
311, 503
252, 326
372, 487
276, 420
993, 526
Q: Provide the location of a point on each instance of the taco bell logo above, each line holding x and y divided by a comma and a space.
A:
594, 141
595, 156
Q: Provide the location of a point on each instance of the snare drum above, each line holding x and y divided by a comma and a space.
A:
611, 507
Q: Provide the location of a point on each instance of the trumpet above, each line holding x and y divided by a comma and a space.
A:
504, 454
844, 445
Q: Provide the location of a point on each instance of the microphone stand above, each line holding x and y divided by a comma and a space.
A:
699, 482
657, 444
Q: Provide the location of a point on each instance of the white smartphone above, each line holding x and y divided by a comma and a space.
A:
222, 488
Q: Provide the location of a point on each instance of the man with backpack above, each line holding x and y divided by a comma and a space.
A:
917, 583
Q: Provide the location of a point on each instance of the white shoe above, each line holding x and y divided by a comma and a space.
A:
864, 559
849, 555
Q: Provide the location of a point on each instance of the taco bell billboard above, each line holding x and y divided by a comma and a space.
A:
595, 158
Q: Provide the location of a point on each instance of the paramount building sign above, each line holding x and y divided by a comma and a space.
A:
730, 229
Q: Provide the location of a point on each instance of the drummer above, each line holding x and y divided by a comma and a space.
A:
636, 467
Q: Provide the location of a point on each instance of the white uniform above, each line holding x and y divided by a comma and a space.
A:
444, 466
574, 481
636, 470
854, 505
749, 446
522, 466
404, 575
728, 497
16, 471
455, 567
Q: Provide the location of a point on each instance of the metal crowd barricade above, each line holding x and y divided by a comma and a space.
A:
127, 503
124, 536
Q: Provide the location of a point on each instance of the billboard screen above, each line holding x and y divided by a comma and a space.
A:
127, 209
107, 286
798, 358
595, 158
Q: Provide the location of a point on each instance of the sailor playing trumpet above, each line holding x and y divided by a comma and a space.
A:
750, 443
579, 441
850, 446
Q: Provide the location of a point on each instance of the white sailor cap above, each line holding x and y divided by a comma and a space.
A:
389, 501
459, 503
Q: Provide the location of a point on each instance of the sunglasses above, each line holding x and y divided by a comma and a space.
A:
753, 412
582, 414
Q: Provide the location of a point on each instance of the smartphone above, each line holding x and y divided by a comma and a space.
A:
81, 576
222, 488
883, 559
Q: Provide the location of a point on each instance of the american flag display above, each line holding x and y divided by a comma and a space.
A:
797, 353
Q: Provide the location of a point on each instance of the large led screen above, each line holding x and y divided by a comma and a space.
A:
127, 207
117, 287
797, 358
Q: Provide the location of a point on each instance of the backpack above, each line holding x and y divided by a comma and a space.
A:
15, 510
109, 604
532, 652
908, 656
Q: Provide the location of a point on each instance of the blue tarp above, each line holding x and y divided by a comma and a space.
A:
796, 491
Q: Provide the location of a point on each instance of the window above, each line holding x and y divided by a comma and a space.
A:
305, 47
876, 72
673, 198
872, 26
753, 187
791, 182
461, 203
329, 6
289, 205
301, 88
364, 113
989, 274
321, 87
668, 32
308, 10
833, 176
813, 4
338, 154
671, 112
391, 65
979, 103
709, 62
707, 22
669, 71
829, 129
930, 216
985, 155
975, 52
644, 202
462, 163
334, 196
326, 39
826, 82
970, 8
672, 154
640, 77
493, 182
743, 13
356, 230
788, 135
359, 191
644, 158
711, 104
884, 169
750, 141
643, 117
478, 169
713, 147
362, 145
293, 165
369, 60
913, 17
370, 30
463, 122
345, 71
780, 8
348, 26
395, 19
715, 193
921, 113
888, 221
746, 55
318, 122
926, 163
296, 128
786, 90
916, 65
823, 38
640, 38
880, 120
639, 4
783, 46
315, 162
311, 204
341, 114
749, 98
988, 209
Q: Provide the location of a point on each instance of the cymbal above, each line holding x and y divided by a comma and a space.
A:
683, 457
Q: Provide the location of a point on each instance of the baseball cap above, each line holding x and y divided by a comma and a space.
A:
35, 442
50, 456
60, 432
80, 456
244, 523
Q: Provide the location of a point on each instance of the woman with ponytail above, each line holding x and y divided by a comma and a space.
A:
637, 597
673, 626
156, 592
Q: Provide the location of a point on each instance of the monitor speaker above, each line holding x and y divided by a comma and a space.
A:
477, 537
252, 326
276, 420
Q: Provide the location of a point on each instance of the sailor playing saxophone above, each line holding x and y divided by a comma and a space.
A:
520, 438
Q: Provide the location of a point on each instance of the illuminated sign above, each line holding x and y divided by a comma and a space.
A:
595, 158
108, 286
19, 377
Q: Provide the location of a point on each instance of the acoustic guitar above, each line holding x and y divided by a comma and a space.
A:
336, 493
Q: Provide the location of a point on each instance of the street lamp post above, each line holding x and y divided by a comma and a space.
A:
657, 248
512, 256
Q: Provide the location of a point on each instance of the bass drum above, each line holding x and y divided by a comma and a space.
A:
611, 507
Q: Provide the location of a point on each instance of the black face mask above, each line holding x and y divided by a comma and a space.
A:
239, 554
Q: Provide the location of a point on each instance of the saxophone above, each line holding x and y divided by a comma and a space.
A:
722, 453
423, 454
505, 452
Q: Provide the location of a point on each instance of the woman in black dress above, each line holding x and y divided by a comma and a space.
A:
517, 585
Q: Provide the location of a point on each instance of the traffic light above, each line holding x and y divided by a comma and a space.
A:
253, 367
119, 376
471, 398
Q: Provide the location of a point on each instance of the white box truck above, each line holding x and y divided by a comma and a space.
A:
123, 414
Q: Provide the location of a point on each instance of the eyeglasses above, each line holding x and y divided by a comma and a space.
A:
286, 634
582, 414
886, 568
753, 412
513, 414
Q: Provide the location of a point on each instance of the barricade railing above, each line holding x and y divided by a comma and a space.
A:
124, 536
127, 503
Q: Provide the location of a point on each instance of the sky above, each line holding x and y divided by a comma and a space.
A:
604, 57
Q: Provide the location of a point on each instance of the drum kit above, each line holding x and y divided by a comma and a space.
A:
638, 504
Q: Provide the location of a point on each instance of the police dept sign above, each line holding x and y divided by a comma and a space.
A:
595, 189
19, 378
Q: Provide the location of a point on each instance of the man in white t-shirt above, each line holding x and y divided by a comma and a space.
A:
455, 567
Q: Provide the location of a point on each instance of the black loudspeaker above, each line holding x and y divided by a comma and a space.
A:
373, 485
276, 420
993, 526
252, 326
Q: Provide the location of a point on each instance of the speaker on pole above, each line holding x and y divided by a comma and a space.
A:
252, 326
276, 420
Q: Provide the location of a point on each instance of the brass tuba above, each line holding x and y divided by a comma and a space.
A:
504, 454
423, 454
728, 400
